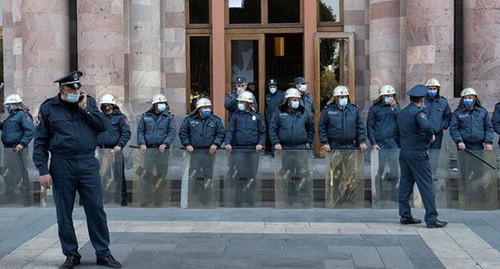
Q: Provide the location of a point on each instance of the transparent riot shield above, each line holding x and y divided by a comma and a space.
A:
15, 185
294, 178
114, 189
242, 183
440, 165
477, 181
385, 177
151, 182
344, 179
202, 172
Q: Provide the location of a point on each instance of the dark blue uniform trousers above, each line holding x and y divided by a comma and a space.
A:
82, 175
415, 168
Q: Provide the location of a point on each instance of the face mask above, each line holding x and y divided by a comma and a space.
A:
161, 107
387, 100
303, 87
242, 106
72, 97
273, 90
432, 93
7, 108
206, 112
468, 103
295, 104
342, 101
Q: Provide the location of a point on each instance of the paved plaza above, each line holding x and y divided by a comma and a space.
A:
259, 238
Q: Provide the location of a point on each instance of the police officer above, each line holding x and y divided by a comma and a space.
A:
340, 125
231, 102
246, 132
306, 98
380, 126
156, 130
17, 132
67, 127
471, 126
274, 97
116, 137
203, 132
437, 110
413, 134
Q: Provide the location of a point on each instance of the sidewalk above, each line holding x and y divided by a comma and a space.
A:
259, 238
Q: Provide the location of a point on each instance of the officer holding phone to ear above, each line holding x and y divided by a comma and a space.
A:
67, 127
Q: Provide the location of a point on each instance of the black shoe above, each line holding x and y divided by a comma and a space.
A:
437, 224
124, 203
410, 220
71, 262
108, 261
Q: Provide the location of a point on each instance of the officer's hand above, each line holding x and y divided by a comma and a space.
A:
278, 147
461, 146
375, 147
239, 91
45, 181
488, 147
307, 145
83, 102
393, 103
117, 149
190, 149
433, 138
212, 149
326, 147
162, 148
363, 147
18, 148
228, 148
143, 148
258, 148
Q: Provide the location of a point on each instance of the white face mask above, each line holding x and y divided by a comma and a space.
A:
273, 90
242, 106
303, 87
343, 101
161, 107
295, 104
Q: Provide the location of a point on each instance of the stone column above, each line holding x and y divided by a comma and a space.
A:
100, 46
42, 48
10, 20
482, 49
429, 47
385, 46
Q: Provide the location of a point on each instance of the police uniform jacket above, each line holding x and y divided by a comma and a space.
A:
118, 133
438, 112
17, 129
471, 126
307, 101
66, 130
246, 129
291, 127
231, 104
273, 101
154, 129
381, 122
341, 127
414, 130
201, 132
495, 120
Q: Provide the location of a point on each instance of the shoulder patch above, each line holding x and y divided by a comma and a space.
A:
423, 115
38, 119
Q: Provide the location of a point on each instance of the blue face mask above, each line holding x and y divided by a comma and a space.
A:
295, 104
242, 106
432, 93
7, 108
206, 112
343, 101
161, 107
387, 100
72, 97
468, 103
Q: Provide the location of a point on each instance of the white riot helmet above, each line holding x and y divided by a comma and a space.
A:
107, 99
12, 99
246, 96
386, 90
340, 90
432, 82
468, 91
203, 102
292, 92
158, 98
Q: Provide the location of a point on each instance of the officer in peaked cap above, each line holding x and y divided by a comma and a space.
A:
67, 127
414, 134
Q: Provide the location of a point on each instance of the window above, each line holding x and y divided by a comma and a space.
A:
199, 68
283, 11
199, 12
244, 11
329, 10
458, 53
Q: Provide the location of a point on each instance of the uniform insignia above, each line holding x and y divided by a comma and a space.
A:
254, 118
423, 115
38, 119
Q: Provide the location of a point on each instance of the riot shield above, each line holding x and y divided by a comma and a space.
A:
15, 185
200, 180
112, 176
294, 178
242, 183
477, 181
345, 179
151, 182
440, 165
385, 177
